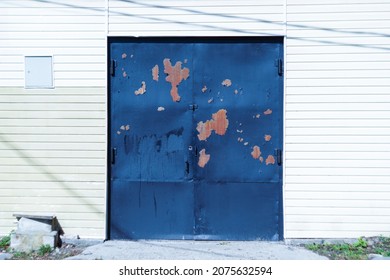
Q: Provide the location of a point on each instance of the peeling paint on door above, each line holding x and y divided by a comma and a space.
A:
203, 158
155, 73
175, 74
227, 83
141, 90
267, 137
204, 89
268, 112
256, 153
124, 55
270, 160
219, 124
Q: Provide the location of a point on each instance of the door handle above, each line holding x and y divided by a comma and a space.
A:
113, 156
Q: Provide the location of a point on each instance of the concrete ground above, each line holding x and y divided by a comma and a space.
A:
195, 250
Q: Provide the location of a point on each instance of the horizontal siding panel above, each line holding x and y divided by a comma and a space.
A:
72, 187
337, 163
52, 193
50, 138
76, 11
340, 17
129, 9
31, 131
53, 43
338, 187
53, 177
36, 35
346, 98
338, 107
368, 204
329, 74
340, 49
335, 90
37, 169
194, 3
323, 7
49, 99
65, 201
43, 27
341, 24
379, 227
254, 17
52, 114
21, 123
325, 139
57, 92
349, 147
338, 153
51, 162
369, 131
338, 123
358, 42
336, 58
76, 152
43, 50
51, 19
367, 179
236, 26
51, 4
337, 115
339, 211
339, 82
42, 107
54, 208
92, 146
347, 197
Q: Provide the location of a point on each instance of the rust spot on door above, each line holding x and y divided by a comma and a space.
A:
256, 153
267, 137
227, 83
155, 73
270, 160
175, 74
141, 90
203, 158
268, 112
219, 124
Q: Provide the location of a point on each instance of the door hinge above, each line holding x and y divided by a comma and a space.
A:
112, 67
279, 156
280, 67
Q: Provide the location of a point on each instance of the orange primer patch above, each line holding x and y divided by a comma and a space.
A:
270, 160
256, 153
219, 124
155, 72
267, 138
175, 74
203, 158
141, 90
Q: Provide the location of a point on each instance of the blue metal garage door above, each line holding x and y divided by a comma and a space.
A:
195, 138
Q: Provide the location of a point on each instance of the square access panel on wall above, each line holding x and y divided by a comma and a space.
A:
38, 72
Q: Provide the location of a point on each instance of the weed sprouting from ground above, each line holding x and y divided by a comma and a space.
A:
358, 250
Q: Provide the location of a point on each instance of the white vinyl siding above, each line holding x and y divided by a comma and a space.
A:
196, 18
337, 119
53, 141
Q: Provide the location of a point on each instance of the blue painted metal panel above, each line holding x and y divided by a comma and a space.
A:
195, 138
